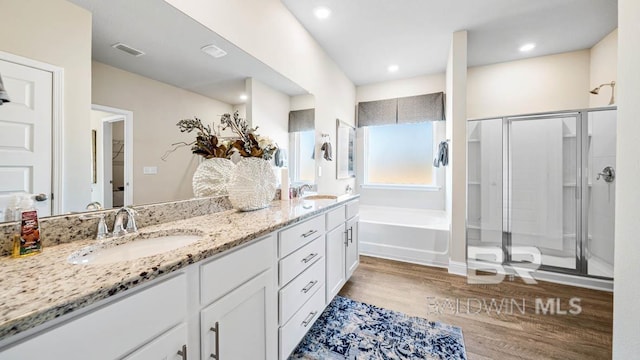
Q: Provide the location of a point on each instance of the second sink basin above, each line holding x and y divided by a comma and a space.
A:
134, 249
320, 197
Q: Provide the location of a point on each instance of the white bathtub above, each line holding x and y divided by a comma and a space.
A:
412, 235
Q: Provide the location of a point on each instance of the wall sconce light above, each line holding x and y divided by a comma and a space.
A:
613, 88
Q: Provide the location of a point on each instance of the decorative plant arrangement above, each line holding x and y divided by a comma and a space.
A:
209, 145
206, 142
250, 144
251, 183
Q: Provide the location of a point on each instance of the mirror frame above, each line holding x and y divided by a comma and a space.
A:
345, 160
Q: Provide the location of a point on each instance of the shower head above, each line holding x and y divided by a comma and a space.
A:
596, 90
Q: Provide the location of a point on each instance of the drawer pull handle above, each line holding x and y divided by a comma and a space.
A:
308, 258
183, 352
350, 234
310, 317
216, 329
309, 286
309, 233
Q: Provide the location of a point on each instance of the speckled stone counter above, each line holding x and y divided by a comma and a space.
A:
43, 287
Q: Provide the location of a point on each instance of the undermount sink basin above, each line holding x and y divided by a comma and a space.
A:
136, 248
319, 197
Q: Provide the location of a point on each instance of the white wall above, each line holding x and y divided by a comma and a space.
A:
270, 33
59, 33
603, 68
269, 111
456, 172
546, 83
626, 313
156, 107
406, 198
302, 102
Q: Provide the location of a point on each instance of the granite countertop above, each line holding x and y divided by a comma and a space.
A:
43, 287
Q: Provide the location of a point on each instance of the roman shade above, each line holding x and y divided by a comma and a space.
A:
405, 110
302, 120
380, 112
429, 107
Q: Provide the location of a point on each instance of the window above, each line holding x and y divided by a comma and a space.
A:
302, 159
399, 154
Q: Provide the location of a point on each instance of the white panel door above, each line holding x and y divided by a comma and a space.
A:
335, 257
25, 134
242, 324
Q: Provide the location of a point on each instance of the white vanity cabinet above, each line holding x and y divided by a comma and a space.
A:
238, 295
301, 266
117, 329
343, 255
172, 317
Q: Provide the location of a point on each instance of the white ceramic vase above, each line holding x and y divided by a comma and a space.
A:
212, 177
252, 185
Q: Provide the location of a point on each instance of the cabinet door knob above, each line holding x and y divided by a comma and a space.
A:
216, 330
183, 352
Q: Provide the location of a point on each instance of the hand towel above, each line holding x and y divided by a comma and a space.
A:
326, 148
443, 155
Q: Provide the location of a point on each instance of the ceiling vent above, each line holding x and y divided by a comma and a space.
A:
214, 51
128, 49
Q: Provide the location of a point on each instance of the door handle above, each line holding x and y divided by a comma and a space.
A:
309, 318
309, 233
309, 257
350, 237
309, 286
183, 352
40, 197
216, 330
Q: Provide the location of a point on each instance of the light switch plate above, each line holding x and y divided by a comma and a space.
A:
150, 170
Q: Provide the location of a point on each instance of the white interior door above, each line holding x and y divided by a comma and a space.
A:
25, 134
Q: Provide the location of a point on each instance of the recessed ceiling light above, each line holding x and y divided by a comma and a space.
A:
393, 68
214, 51
322, 12
243, 97
527, 47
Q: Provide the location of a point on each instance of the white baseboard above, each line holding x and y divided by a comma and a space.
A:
413, 256
458, 268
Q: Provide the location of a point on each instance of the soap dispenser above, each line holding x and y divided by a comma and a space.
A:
27, 242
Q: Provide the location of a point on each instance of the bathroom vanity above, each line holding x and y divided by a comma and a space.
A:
250, 289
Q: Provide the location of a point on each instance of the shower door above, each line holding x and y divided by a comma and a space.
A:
543, 191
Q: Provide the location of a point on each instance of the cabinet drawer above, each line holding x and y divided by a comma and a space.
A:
353, 208
112, 331
295, 237
300, 290
301, 259
335, 217
293, 331
221, 275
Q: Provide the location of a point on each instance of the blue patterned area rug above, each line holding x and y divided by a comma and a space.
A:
349, 329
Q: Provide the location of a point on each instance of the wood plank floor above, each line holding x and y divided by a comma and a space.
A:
423, 291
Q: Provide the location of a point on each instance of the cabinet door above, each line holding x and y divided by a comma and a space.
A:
243, 323
352, 257
165, 346
335, 261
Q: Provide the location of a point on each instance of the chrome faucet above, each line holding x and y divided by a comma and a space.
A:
118, 224
302, 188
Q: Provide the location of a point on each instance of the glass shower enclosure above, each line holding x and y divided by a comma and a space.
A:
544, 182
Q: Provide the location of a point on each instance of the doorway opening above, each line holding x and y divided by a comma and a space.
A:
112, 158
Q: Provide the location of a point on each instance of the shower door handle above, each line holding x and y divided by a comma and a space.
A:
608, 174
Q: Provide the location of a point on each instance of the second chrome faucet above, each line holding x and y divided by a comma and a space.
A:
118, 225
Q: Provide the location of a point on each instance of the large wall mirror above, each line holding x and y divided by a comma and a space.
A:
345, 150
138, 91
